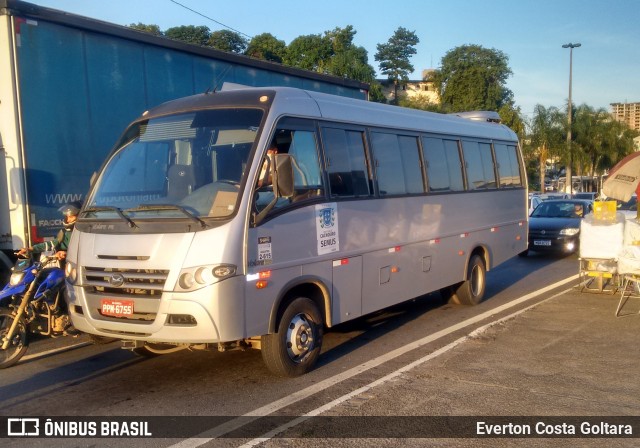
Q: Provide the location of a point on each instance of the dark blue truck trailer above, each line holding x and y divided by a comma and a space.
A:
70, 84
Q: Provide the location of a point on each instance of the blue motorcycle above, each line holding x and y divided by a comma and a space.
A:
31, 303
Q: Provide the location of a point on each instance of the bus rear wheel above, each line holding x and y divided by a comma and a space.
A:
471, 291
294, 349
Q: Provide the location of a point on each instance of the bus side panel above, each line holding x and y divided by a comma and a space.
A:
346, 293
396, 274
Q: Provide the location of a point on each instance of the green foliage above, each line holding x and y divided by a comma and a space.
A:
375, 92
228, 41
511, 115
421, 103
473, 78
347, 60
599, 141
309, 52
394, 55
151, 29
333, 53
470, 78
266, 46
198, 35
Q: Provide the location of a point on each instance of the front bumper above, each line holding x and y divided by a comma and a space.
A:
218, 312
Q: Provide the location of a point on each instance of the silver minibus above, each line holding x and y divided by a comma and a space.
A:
260, 217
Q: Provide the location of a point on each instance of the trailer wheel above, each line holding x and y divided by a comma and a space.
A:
294, 349
471, 291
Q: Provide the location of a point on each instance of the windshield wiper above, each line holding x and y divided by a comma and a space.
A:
106, 208
183, 210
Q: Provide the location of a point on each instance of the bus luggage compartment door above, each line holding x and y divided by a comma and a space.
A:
346, 292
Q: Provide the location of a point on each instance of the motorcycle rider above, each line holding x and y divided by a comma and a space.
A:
61, 242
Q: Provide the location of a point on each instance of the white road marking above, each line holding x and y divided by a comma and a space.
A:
295, 397
54, 351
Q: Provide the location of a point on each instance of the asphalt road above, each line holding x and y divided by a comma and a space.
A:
421, 358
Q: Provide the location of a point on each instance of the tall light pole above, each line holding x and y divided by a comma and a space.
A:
568, 173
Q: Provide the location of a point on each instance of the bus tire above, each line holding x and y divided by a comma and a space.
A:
295, 347
471, 291
151, 350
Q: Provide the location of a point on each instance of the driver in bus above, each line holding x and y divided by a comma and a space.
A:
267, 166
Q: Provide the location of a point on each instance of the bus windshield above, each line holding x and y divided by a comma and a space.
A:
180, 166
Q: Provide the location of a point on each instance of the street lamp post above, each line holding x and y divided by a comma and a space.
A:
568, 172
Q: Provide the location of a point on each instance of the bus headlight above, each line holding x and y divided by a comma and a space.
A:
71, 272
198, 277
570, 231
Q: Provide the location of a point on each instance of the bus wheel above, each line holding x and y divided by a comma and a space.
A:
151, 350
294, 349
471, 291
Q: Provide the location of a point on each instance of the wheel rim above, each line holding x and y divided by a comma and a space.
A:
477, 280
17, 342
300, 338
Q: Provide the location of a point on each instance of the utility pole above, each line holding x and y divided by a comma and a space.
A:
568, 172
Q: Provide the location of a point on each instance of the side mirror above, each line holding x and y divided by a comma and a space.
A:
283, 184
284, 175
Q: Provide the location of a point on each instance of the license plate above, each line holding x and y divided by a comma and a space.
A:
542, 242
116, 308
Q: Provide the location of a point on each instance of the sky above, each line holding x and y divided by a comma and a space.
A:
606, 67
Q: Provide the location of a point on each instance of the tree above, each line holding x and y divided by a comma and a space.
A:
347, 60
598, 141
547, 135
375, 92
473, 78
394, 56
309, 52
511, 116
266, 46
198, 35
151, 29
227, 40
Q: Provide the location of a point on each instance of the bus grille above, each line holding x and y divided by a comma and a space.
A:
130, 282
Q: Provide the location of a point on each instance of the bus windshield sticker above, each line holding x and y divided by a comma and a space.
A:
264, 250
327, 228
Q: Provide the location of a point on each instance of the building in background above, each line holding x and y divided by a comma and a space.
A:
628, 113
424, 88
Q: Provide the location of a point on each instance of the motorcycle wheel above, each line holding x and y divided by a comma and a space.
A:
19, 342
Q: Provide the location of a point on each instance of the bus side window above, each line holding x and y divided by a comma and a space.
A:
306, 169
346, 162
479, 163
508, 165
308, 183
444, 168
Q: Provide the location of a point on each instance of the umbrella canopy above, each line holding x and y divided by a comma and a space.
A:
623, 178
